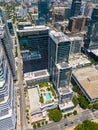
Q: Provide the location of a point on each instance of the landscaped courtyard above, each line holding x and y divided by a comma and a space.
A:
46, 92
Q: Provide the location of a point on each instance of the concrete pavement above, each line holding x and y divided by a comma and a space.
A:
23, 120
70, 122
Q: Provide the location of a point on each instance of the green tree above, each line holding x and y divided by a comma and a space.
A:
65, 115
83, 102
68, 114
87, 125
42, 123
46, 122
75, 101
34, 126
95, 105
75, 112
55, 115
38, 124
41, 99
75, 89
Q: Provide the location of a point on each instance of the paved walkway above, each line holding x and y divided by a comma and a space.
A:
70, 128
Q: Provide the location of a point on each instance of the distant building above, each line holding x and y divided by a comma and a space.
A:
59, 13
21, 12
76, 44
43, 10
91, 40
76, 24
21, 25
67, 12
75, 7
88, 9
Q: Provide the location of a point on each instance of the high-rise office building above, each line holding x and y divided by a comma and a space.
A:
33, 42
76, 44
60, 71
75, 7
58, 54
7, 94
76, 24
88, 9
91, 41
6, 42
43, 10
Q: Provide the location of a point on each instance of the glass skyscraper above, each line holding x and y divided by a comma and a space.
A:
59, 69
91, 41
58, 54
43, 10
75, 7
34, 47
7, 94
7, 42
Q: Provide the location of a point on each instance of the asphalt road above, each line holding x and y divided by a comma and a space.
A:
23, 122
70, 121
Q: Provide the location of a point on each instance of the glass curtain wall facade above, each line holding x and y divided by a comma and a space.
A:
58, 56
7, 42
91, 40
7, 94
75, 7
34, 49
43, 10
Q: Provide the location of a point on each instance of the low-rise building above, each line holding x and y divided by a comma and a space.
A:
87, 80
78, 60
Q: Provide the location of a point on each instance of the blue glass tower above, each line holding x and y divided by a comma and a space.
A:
59, 69
58, 54
91, 40
34, 47
75, 7
43, 10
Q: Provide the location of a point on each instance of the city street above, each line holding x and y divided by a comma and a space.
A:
23, 120
70, 121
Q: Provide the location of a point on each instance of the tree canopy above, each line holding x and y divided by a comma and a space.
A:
87, 125
83, 102
55, 115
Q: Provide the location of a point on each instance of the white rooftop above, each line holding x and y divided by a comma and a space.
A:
59, 36
36, 74
76, 38
66, 105
34, 100
63, 65
78, 59
95, 51
33, 28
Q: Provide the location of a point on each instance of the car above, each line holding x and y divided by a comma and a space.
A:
93, 110
71, 122
65, 124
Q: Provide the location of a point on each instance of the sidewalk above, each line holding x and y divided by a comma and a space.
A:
70, 128
18, 114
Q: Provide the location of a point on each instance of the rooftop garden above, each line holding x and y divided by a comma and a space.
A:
46, 92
